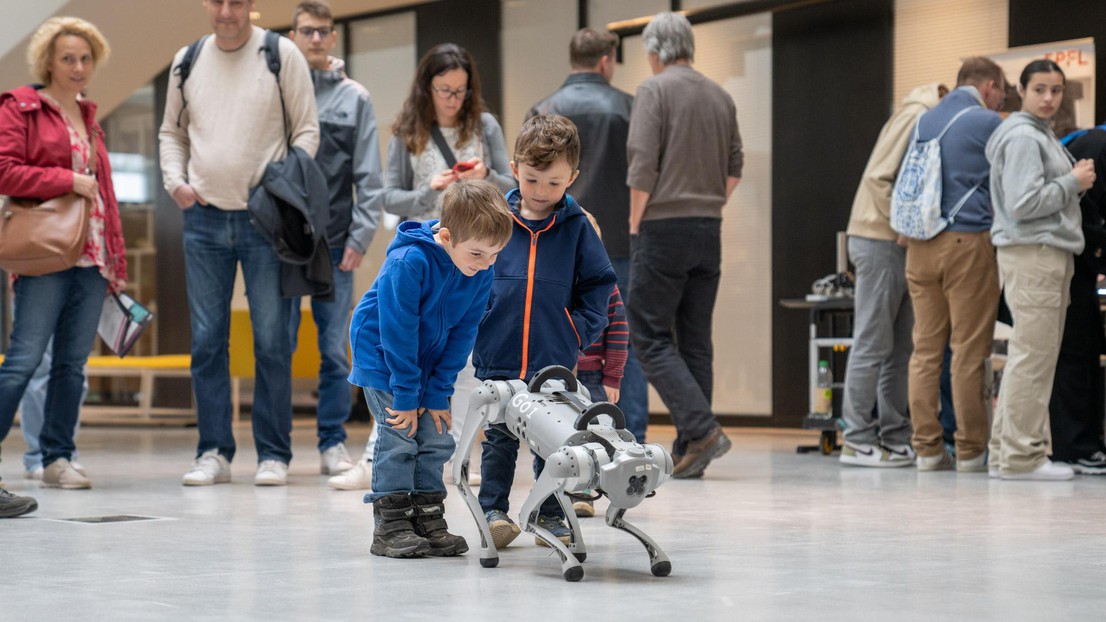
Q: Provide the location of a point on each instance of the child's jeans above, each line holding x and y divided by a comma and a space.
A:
593, 380
499, 454
403, 464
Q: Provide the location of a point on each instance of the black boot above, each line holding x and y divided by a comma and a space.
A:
395, 532
430, 524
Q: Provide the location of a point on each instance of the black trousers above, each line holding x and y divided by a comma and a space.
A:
1076, 408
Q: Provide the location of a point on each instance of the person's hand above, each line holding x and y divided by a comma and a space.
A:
478, 170
442, 180
612, 394
403, 420
186, 197
440, 417
86, 186
351, 260
1084, 173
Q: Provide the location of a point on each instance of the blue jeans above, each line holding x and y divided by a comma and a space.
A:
498, 457
332, 322
64, 305
215, 241
634, 398
676, 266
32, 410
406, 464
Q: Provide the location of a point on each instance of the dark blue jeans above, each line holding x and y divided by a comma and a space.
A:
498, 457
402, 463
215, 242
332, 322
65, 305
634, 397
676, 266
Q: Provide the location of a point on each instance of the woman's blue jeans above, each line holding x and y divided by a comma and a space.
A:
64, 305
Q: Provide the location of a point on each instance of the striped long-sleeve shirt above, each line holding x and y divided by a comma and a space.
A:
608, 353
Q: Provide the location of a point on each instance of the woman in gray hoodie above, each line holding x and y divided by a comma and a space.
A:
1035, 187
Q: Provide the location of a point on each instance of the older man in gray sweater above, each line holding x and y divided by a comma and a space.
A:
685, 160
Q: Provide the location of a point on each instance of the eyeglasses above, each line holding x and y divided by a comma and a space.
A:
307, 32
448, 94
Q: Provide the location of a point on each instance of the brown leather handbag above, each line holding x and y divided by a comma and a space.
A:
39, 238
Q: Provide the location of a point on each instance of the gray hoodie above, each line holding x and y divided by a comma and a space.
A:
1033, 191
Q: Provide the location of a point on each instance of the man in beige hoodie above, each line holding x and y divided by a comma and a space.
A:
882, 343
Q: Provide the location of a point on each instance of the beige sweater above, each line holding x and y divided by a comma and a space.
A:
871, 214
232, 127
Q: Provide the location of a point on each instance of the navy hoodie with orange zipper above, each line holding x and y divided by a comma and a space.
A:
549, 297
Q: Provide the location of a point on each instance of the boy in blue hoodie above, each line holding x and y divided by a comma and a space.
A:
410, 335
549, 300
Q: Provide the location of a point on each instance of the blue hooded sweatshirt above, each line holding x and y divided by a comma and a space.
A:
549, 299
414, 329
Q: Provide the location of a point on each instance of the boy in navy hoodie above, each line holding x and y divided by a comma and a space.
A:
549, 300
410, 335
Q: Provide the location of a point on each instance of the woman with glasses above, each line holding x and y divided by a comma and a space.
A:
444, 100
442, 124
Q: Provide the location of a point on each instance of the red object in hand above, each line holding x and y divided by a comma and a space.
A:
461, 167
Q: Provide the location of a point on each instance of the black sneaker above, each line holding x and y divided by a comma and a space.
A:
1095, 464
12, 506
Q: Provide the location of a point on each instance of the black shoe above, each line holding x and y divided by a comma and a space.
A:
395, 529
430, 524
1095, 464
12, 506
700, 453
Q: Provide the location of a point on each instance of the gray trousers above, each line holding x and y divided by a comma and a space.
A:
882, 343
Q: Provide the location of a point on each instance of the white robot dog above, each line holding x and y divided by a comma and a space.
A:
555, 417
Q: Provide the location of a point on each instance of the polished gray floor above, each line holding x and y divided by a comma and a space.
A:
767, 535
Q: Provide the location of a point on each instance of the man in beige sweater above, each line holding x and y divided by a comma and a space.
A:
219, 133
882, 342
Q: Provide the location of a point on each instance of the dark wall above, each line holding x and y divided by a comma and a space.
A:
831, 93
1032, 22
473, 25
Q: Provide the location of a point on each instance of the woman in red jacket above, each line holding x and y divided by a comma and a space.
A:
50, 144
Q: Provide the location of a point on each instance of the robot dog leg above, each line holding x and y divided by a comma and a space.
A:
485, 407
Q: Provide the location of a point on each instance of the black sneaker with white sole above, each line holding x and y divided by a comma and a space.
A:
1095, 464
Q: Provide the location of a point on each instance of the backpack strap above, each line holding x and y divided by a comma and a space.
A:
954, 118
184, 69
964, 199
271, 50
443, 146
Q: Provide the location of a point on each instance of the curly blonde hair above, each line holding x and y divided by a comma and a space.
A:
40, 51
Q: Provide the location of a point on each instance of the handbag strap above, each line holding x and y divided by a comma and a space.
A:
443, 146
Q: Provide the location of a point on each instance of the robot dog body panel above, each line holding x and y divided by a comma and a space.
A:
585, 447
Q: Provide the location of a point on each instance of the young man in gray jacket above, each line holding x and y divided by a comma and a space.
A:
350, 158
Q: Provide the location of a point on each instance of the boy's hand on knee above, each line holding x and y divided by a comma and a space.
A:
441, 417
403, 420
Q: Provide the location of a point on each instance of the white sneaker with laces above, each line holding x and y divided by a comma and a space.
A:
360, 477
210, 468
335, 460
61, 474
941, 462
977, 464
271, 473
1048, 472
862, 454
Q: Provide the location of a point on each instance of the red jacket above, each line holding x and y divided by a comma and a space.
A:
36, 160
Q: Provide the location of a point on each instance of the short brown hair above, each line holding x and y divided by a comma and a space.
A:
977, 70
589, 45
40, 51
315, 8
546, 137
476, 210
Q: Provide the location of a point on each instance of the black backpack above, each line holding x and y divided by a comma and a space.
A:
270, 48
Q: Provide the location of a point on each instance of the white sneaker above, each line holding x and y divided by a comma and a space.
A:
977, 464
861, 454
360, 477
77, 467
942, 462
335, 460
1049, 472
210, 468
33, 474
271, 473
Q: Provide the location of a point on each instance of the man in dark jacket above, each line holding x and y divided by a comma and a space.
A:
602, 117
350, 159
